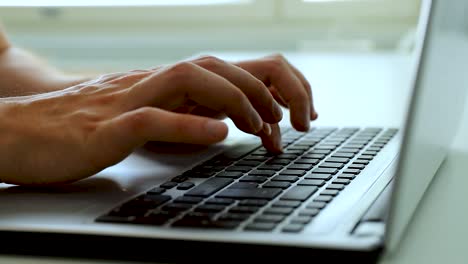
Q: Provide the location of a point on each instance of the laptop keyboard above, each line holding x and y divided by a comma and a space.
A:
249, 189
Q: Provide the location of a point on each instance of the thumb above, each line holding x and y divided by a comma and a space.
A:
153, 124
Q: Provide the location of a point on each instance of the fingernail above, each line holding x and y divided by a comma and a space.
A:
215, 128
314, 115
257, 124
278, 112
267, 129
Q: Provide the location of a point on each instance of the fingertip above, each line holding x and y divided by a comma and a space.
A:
217, 130
314, 115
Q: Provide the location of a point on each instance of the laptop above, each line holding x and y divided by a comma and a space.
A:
336, 193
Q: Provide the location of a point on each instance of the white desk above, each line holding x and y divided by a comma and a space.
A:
438, 231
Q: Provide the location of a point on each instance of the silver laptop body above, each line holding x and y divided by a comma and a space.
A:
367, 215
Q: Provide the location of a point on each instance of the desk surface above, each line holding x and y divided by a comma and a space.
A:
438, 230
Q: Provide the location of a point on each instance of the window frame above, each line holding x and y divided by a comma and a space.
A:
340, 10
121, 15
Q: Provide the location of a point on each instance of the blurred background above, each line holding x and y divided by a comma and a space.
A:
111, 35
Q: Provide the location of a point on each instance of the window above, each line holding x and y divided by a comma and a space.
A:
116, 34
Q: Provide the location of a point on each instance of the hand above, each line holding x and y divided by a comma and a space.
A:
67, 135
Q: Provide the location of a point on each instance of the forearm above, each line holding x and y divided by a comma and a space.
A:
21, 73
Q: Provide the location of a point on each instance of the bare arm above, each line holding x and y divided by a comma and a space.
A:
21, 73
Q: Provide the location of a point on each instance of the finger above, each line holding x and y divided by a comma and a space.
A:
277, 96
253, 88
308, 89
205, 111
275, 71
272, 141
135, 128
173, 86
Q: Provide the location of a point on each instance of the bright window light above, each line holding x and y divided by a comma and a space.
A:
120, 2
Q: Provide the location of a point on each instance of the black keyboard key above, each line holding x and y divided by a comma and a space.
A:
293, 172
336, 186
282, 203
285, 178
275, 161
308, 182
301, 220
156, 218
209, 187
253, 202
264, 193
361, 161
349, 150
319, 151
318, 205
210, 208
168, 185
199, 174
292, 228
115, 219
307, 161
357, 166
309, 212
223, 224
314, 156
279, 210
337, 160
244, 185
273, 184
176, 207
191, 222
256, 179
343, 155
366, 157
233, 217
346, 176
325, 147
238, 151
230, 174
289, 156
370, 153
320, 176
260, 226
269, 218
156, 190
256, 158
179, 179
341, 181
248, 163
325, 171
300, 167
271, 167
243, 209
185, 185
330, 192
352, 171
267, 173
299, 193
149, 200
331, 165
323, 198
188, 199
220, 201
238, 168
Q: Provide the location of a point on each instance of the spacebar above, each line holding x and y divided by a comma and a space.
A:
267, 194
209, 187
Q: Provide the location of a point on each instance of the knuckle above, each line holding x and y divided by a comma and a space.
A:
212, 60
181, 68
138, 120
106, 99
277, 64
